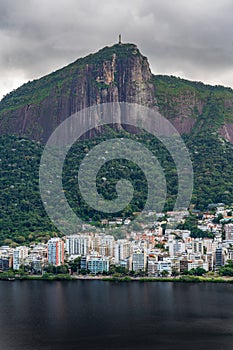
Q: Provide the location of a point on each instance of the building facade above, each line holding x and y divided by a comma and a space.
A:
56, 251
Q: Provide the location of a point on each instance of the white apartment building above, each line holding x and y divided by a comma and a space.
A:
19, 255
121, 250
164, 265
198, 263
197, 245
210, 245
107, 245
176, 247
78, 244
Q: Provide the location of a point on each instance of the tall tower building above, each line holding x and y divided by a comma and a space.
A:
78, 244
139, 260
218, 257
56, 251
19, 254
121, 250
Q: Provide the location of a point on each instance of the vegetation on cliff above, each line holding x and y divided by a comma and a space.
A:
23, 218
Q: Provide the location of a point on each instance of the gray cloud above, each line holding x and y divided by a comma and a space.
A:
185, 38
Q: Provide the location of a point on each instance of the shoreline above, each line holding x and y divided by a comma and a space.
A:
179, 279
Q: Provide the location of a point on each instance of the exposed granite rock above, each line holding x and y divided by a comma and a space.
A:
123, 76
114, 74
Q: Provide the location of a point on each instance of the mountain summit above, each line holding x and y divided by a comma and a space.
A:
113, 74
119, 73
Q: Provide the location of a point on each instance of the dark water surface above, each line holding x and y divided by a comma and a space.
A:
38, 315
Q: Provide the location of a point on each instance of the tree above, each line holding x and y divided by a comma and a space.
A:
75, 264
217, 219
175, 272
164, 273
200, 271
49, 268
227, 269
62, 269
159, 245
136, 226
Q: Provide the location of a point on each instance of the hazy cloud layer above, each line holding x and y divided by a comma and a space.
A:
191, 39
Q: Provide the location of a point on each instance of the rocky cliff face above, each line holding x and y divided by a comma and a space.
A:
193, 107
119, 73
114, 74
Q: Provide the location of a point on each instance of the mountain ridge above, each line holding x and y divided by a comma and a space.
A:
118, 73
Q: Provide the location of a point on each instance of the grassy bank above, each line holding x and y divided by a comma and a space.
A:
181, 279
45, 277
64, 277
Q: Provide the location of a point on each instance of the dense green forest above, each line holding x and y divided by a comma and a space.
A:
23, 217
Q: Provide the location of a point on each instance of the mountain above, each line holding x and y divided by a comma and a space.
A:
203, 114
116, 73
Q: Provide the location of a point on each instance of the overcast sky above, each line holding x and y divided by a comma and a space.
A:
190, 39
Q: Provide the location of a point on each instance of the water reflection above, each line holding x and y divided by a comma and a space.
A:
39, 315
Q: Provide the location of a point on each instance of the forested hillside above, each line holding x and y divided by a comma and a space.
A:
24, 219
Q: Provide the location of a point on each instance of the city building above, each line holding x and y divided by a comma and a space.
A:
152, 266
106, 246
218, 257
229, 232
197, 245
121, 250
164, 265
98, 264
176, 247
56, 251
183, 265
139, 259
4, 263
78, 244
19, 255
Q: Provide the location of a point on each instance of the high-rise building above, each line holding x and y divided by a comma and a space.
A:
106, 247
197, 245
229, 232
183, 264
121, 250
96, 242
218, 257
152, 266
209, 259
78, 244
56, 251
176, 247
209, 245
139, 260
19, 254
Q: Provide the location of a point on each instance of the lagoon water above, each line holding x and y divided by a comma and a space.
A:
97, 315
